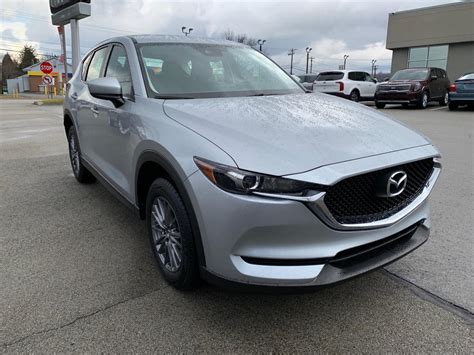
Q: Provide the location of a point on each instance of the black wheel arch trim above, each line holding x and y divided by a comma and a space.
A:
155, 157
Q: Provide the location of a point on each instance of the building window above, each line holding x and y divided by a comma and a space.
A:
432, 56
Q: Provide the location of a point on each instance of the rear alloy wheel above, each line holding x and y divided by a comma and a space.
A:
80, 172
444, 100
171, 235
354, 96
423, 103
453, 106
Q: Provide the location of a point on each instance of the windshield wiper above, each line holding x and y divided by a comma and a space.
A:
173, 97
263, 94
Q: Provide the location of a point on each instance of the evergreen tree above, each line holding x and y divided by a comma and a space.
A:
27, 56
10, 69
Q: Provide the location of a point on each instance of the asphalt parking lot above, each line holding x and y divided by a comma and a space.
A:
77, 273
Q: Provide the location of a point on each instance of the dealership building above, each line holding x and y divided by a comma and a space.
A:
438, 36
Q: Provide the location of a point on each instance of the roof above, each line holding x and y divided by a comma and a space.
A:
153, 38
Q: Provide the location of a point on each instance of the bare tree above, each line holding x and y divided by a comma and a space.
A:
240, 38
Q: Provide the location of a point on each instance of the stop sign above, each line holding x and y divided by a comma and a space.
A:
46, 67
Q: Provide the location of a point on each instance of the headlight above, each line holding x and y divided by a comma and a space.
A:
245, 182
416, 87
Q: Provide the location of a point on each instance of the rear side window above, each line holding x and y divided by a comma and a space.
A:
95, 66
330, 75
357, 76
85, 64
118, 68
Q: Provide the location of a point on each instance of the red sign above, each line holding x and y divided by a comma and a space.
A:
46, 67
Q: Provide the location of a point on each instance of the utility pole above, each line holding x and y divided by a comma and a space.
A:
291, 53
186, 33
373, 66
345, 59
311, 64
260, 42
308, 50
375, 71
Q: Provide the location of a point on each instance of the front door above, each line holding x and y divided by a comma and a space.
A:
115, 149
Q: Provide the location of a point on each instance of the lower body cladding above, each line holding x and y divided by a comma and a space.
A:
264, 241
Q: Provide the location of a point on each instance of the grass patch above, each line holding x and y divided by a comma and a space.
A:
58, 101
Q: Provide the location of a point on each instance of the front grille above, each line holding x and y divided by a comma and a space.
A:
394, 87
354, 200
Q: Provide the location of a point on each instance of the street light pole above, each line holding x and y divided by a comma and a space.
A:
345, 59
311, 64
291, 53
308, 50
260, 42
373, 66
186, 33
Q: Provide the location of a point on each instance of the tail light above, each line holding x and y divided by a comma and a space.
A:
341, 85
452, 88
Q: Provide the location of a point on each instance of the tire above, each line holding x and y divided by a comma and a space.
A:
379, 104
453, 106
81, 174
171, 236
444, 100
423, 103
354, 96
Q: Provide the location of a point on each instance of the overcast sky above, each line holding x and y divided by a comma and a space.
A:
332, 27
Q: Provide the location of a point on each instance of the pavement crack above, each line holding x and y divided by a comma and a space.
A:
85, 316
429, 296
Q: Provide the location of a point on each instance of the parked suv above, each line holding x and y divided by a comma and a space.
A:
414, 86
353, 85
242, 177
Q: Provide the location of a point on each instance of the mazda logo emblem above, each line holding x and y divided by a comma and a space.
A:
393, 184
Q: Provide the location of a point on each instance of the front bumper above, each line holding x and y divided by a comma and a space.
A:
262, 241
398, 97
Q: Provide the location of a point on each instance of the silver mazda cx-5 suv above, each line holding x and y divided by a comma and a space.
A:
242, 176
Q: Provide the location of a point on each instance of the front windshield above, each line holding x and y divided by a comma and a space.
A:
184, 70
411, 74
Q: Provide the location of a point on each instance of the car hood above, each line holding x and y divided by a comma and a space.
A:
288, 134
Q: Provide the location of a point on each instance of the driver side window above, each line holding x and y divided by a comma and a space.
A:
118, 67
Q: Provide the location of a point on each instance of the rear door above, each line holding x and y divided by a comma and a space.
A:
328, 81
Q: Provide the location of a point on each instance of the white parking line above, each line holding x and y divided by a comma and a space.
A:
438, 108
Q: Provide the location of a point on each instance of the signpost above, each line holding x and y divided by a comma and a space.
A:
70, 11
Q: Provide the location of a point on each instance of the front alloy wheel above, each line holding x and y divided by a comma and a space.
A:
171, 235
166, 234
424, 100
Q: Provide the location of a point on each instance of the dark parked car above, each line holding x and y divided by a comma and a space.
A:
462, 92
414, 86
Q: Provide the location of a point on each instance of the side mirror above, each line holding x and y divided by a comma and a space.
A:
296, 78
386, 79
107, 89
434, 77
375, 81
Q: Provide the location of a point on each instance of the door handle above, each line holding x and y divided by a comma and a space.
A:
95, 111
74, 96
